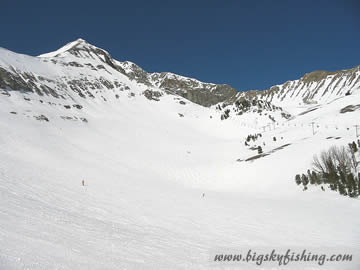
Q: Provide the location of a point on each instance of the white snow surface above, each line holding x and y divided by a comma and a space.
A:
145, 170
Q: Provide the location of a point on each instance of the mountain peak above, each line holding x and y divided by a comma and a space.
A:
83, 50
73, 47
81, 40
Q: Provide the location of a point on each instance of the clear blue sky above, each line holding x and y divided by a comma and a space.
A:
246, 44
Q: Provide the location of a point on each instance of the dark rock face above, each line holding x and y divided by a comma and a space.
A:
205, 94
42, 118
77, 106
316, 76
350, 108
24, 82
134, 72
152, 95
208, 98
15, 82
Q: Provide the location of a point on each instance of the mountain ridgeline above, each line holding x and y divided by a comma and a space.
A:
80, 69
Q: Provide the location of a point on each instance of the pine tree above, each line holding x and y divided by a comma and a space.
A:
350, 184
332, 174
353, 159
311, 178
316, 177
304, 180
342, 190
342, 177
357, 187
354, 147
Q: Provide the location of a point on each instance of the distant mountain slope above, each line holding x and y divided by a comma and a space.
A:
81, 67
312, 88
81, 70
292, 97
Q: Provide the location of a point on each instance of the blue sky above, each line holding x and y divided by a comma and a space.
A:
246, 44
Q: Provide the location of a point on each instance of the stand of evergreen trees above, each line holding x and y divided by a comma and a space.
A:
253, 137
225, 115
336, 168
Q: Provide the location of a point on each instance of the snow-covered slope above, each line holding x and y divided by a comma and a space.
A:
314, 90
147, 156
317, 87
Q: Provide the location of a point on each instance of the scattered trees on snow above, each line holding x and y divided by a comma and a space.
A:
253, 137
337, 168
225, 115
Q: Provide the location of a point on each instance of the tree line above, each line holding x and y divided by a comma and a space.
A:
336, 168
